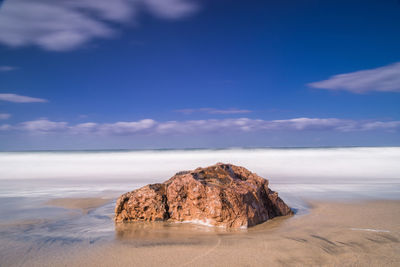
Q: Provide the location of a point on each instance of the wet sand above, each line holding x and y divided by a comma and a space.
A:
332, 234
83, 204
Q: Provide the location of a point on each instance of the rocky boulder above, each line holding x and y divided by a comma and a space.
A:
220, 195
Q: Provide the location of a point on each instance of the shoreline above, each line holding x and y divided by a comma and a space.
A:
350, 232
83, 204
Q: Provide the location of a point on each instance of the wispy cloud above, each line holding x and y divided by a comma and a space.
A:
5, 127
7, 68
64, 24
21, 99
383, 79
241, 125
124, 128
214, 111
42, 125
4, 116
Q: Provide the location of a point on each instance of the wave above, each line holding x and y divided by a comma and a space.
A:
276, 164
322, 173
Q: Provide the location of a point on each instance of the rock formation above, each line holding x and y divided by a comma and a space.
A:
220, 195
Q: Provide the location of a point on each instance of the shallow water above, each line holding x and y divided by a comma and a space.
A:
29, 179
331, 234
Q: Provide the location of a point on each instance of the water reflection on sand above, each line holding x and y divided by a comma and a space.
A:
325, 234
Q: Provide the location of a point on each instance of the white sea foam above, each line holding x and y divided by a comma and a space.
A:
205, 222
367, 171
275, 163
370, 230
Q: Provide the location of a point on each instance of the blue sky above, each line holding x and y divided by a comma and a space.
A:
182, 73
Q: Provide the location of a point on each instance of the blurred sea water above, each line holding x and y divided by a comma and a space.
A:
28, 180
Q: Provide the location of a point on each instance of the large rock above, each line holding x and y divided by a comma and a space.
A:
220, 195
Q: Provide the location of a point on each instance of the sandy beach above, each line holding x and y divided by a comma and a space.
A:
352, 233
60, 211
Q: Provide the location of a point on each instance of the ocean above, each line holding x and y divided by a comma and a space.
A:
29, 181
294, 172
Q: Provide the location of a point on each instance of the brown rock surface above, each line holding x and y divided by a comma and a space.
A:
220, 195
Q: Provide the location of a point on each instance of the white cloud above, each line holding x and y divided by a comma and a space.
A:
87, 127
7, 68
391, 125
383, 79
172, 9
190, 127
5, 127
4, 116
311, 123
214, 111
21, 99
123, 128
42, 125
67, 24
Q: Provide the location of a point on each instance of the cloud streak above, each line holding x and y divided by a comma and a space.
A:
68, 24
210, 126
383, 79
214, 111
42, 125
4, 116
7, 68
21, 99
